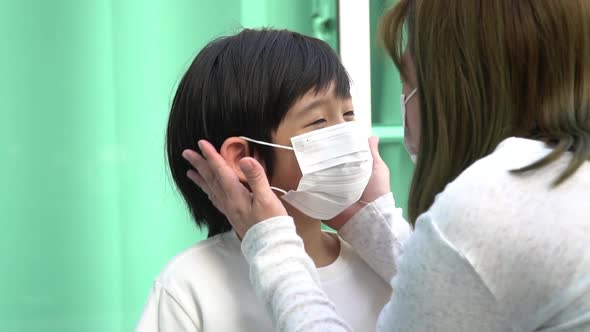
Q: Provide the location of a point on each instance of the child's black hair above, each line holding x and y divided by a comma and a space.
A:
243, 85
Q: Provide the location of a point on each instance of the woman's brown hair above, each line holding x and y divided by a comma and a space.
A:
490, 69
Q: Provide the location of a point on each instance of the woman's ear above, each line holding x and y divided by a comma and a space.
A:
233, 150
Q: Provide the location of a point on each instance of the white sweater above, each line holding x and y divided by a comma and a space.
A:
206, 289
495, 252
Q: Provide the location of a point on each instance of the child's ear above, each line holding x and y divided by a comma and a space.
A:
233, 150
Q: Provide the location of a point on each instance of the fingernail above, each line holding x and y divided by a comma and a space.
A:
246, 166
185, 154
200, 144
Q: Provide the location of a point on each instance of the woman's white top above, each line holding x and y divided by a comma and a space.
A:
495, 252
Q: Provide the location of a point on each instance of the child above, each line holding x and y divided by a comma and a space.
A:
265, 93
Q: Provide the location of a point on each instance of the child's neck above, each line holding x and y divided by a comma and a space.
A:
322, 248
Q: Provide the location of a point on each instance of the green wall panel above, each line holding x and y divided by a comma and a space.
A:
59, 245
87, 208
385, 81
386, 116
88, 211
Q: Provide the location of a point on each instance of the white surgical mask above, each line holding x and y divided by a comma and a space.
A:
403, 102
336, 165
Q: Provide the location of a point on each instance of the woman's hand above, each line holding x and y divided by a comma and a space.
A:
243, 208
377, 186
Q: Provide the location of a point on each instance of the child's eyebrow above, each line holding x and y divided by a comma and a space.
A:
316, 103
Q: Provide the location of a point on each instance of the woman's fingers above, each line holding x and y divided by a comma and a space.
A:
220, 182
214, 160
265, 203
224, 179
255, 176
198, 180
199, 163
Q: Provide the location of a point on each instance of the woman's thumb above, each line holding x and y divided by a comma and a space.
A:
374, 146
255, 176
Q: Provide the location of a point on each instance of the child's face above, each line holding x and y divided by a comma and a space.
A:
310, 112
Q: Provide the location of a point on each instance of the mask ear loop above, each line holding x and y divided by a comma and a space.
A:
265, 143
279, 190
403, 101
274, 146
410, 95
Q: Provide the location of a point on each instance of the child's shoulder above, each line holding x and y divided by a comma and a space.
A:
203, 259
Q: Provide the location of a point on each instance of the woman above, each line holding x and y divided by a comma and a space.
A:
500, 124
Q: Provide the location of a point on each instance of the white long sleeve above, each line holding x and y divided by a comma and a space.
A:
286, 280
377, 233
495, 252
288, 284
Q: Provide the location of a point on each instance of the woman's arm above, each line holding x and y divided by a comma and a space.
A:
436, 288
377, 233
286, 280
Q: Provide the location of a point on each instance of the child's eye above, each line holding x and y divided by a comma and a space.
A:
349, 113
317, 123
